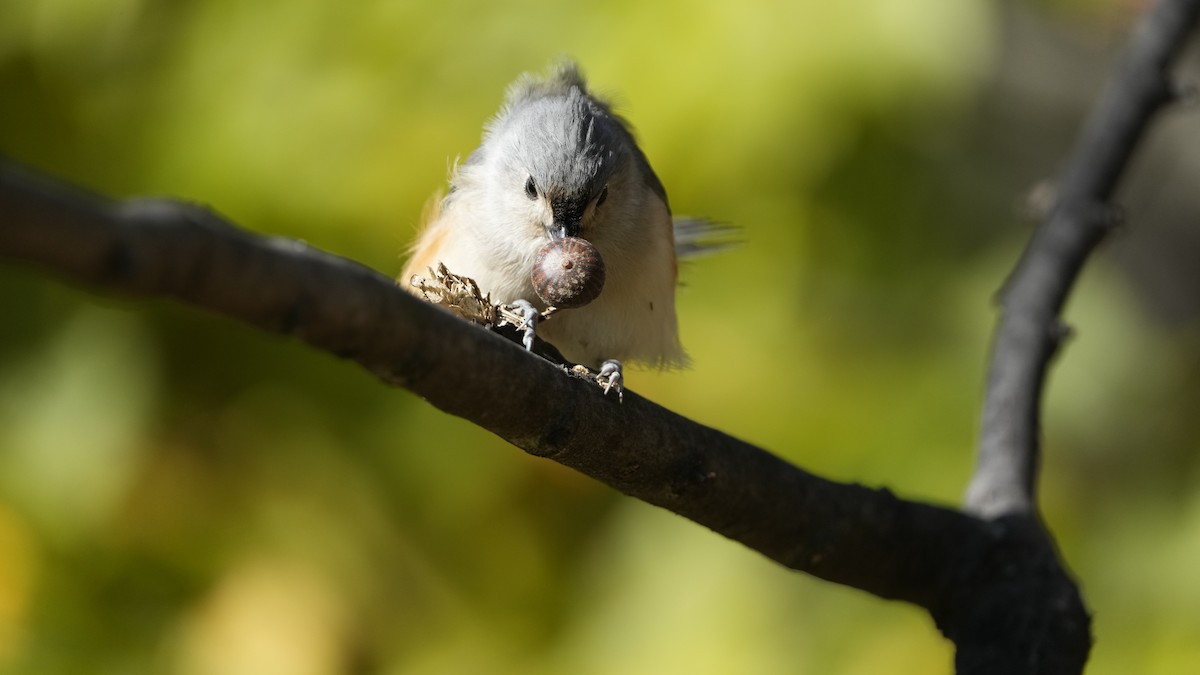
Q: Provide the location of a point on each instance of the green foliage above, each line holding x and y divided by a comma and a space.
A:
180, 494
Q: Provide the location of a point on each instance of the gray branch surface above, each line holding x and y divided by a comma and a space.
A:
1030, 330
995, 585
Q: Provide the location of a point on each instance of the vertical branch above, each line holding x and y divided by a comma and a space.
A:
1030, 330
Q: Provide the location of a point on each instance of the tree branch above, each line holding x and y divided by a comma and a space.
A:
1030, 330
938, 558
844, 533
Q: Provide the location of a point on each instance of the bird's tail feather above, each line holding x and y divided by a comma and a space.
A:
699, 237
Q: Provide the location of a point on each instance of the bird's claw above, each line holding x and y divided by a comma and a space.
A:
527, 317
612, 379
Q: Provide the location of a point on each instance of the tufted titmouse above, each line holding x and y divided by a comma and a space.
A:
556, 162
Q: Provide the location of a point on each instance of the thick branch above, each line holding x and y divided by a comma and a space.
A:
1030, 330
965, 571
845, 533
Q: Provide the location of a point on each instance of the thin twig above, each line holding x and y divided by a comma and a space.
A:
1030, 330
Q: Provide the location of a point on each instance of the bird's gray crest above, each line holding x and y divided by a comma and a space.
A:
565, 137
559, 81
557, 131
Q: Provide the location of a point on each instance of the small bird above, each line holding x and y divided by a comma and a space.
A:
557, 164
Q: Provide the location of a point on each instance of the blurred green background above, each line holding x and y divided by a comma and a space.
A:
179, 494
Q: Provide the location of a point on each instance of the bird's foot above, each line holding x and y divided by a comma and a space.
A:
611, 378
523, 316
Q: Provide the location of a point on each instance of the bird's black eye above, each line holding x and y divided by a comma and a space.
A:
531, 188
603, 195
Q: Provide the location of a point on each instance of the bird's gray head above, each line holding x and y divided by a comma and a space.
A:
558, 162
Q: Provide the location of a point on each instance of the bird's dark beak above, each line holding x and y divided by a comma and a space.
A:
568, 214
562, 229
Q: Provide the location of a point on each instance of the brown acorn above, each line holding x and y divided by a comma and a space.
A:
568, 272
